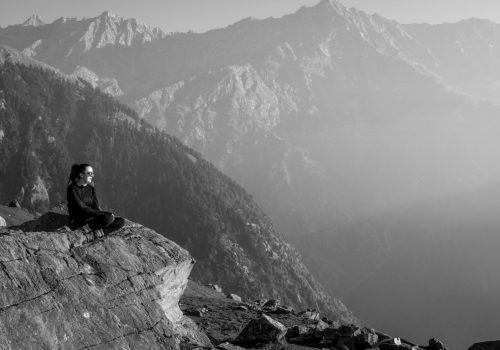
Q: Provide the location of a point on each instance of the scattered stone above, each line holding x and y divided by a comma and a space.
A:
3, 223
392, 341
234, 297
241, 307
229, 346
272, 304
435, 344
252, 306
301, 340
14, 204
260, 302
262, 330
199, 312
330, 333
394, 344
319, 329
327, 320
383, 336
299, 331
310, 315
347, 334
284, 310
366, 339
396, 347
215, 287
349, 331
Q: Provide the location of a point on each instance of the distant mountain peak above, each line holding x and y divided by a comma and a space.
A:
108, 14
331, 5
34, 21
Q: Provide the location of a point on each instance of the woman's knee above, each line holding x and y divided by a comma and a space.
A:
117, 224
107, 219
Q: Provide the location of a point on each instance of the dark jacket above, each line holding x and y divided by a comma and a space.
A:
82, 204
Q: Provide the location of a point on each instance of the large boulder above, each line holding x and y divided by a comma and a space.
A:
435, 344
309, 314
284, 310
261, 330
367, 338
234, 297
488, 345
120, 292
3, 223
300, 334
272, 304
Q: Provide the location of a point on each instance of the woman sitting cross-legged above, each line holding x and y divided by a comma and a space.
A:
83, 206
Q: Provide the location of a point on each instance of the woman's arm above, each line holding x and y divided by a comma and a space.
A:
95, 202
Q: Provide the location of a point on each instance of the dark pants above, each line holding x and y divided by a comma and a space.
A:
102, 221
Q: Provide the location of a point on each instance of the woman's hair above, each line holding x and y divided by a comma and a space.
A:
76, 170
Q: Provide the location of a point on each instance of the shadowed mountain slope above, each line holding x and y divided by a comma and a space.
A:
47, 123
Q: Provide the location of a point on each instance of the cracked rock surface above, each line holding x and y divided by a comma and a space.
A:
120, 292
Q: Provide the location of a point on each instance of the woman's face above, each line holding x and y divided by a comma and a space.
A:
87, 176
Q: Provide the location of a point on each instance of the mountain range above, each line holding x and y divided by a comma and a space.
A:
332, 119
337, 97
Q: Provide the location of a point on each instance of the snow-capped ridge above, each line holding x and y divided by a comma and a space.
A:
33, 21
110, 29
109, 14
331, 5
111, 17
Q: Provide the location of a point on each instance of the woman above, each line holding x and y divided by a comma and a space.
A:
83, 206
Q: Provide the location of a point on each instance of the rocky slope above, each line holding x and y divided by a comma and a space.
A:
121, 292
463, 54
266, 324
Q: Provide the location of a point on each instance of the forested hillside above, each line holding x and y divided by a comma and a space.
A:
47, 122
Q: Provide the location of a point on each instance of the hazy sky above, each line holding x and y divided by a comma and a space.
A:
201, 15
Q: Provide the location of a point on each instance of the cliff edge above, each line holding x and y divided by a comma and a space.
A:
120, 292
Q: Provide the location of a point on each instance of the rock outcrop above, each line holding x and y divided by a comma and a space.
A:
261, 330
120, 292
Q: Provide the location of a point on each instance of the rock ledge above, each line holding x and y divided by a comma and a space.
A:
120, 292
